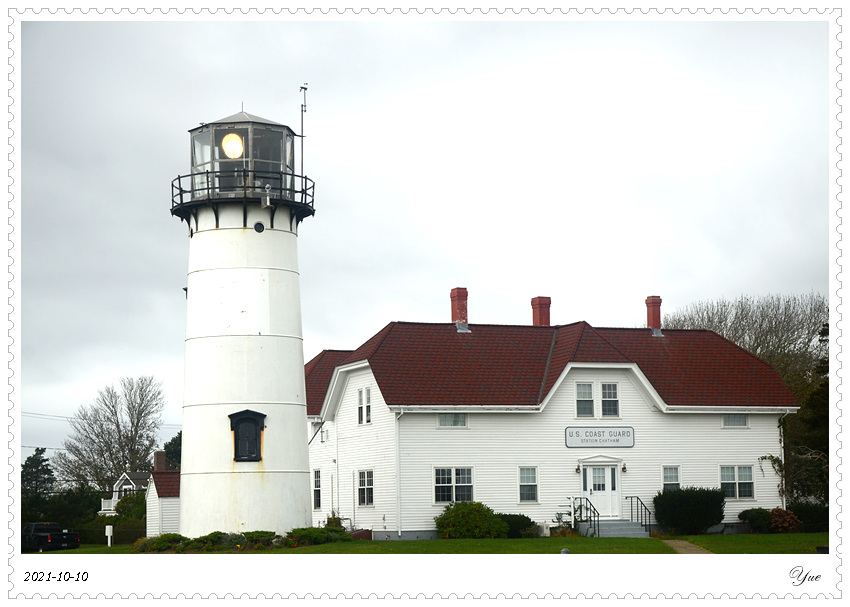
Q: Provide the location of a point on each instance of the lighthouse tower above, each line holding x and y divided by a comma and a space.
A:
244, 463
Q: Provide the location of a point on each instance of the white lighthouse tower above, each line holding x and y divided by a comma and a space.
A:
244, 463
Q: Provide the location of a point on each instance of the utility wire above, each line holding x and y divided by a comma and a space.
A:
64, 418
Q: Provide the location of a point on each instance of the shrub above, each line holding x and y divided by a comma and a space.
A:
563, 531
132, 506
466, 520
161, 543
784, 521
124, 530
757, 518
519, 525
334, 520
307, 536
815, 517
213, 541
259, 538
690, 510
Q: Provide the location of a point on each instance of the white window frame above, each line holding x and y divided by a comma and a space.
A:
665, 482
440, 423
602, 399
521, 484
592, 400
727, 417
365, 488
317, 489
737, 481
453, 484
364, 406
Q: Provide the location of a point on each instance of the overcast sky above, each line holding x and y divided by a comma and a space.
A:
595, 162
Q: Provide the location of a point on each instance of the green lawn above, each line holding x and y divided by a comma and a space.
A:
746, 543
541, 545
791, 543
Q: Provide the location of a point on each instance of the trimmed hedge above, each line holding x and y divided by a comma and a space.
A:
519, 525
308, 536
815, 517
690, 510
758, 519
470, 520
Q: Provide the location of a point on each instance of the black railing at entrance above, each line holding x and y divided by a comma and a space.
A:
586, 512
639, 513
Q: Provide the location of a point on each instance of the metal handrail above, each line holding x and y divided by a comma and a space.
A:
591, 514
644, 516
287, 188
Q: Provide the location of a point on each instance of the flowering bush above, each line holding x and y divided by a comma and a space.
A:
464, 520
784, 521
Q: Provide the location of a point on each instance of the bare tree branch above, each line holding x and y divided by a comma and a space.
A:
782, 330
115, 434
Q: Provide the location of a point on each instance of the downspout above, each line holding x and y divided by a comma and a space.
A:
336, 463
398, 473
782, 455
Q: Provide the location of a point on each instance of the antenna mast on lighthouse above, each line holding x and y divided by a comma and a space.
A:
303, 91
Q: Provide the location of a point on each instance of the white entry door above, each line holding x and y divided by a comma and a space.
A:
600, 485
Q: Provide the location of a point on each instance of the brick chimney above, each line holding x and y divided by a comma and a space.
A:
653, 312
158, 461
460, 316
540, 311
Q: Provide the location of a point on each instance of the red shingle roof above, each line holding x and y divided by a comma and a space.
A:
502, 365
317, 376
167, 483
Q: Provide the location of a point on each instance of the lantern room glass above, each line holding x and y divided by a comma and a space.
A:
233, 157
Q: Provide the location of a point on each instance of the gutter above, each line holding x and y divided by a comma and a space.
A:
398, 474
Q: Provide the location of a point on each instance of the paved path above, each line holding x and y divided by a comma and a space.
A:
683, 547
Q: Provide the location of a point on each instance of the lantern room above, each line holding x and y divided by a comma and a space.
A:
242, 158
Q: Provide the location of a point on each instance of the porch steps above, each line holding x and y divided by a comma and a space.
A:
616, 528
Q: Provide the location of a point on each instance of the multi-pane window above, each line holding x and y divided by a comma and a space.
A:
452, 485
317, 489
670, 475
737, 481
584, 400
610, 400
599, 479
528, 484
364, 406
451, 420
365, 489
735, 420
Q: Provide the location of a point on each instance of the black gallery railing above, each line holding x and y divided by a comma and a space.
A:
288, 189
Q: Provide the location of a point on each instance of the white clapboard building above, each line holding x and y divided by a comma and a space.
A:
536, 420
162, 499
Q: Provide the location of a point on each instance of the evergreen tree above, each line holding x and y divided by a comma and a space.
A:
37, 483
37, 477
172, 451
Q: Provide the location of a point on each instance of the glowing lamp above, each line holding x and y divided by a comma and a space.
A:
232, 145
